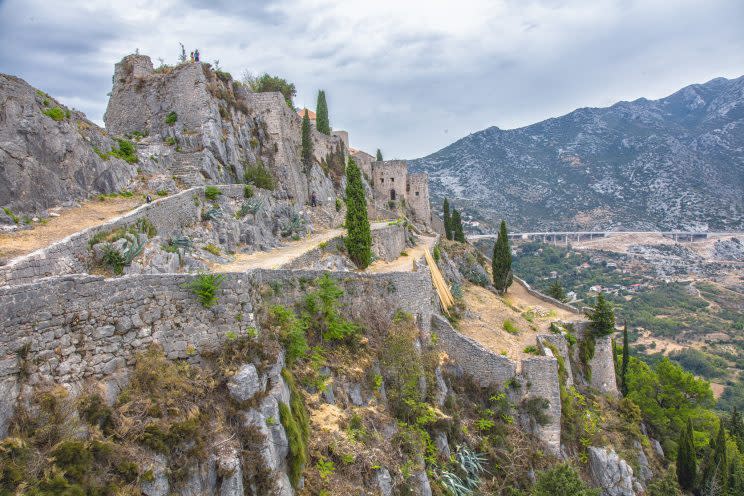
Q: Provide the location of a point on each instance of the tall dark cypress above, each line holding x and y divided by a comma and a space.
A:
379, 155
456, 221
686, 458
359, 237
502, 261
624, 366
321, 114
716, 473
307, 143
447, 220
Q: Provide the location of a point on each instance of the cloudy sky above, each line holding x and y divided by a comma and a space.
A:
407, 76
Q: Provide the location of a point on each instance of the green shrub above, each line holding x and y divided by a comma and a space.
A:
248, 191
531, 349
126, 151
561, 480
295, 421
291, 331
170, 140
510, 327
171, 118
259, 176
267, 83
205, 287
214, 250
55, 113
212, 192
339, 204
321, 312
10, 214
113, 259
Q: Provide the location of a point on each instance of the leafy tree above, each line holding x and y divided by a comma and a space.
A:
267, 83
556, 291
447, 219
686, 458
603, 317
379, 155
561, 480
624, 366
667, 396
307, 142
502, 261
359, 237
456, 225
321, 114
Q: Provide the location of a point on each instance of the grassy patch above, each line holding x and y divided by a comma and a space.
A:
54, 113
510, 327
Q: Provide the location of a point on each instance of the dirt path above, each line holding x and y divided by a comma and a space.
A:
528, 316
70, 221
404, 263
277, 257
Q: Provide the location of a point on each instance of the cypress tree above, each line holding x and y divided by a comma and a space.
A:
447, 219
307, 143
716, 474
557, 291
502, 261
456, 225
624, 363
686, 459
736, 428
379, 155
359, 237
321, 114
624, 366
603, 317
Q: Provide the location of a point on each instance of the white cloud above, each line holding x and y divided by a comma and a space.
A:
407, 76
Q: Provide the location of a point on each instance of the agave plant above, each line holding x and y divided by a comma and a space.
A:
251, 206
212, 214
470, 461
294, 225
454, 484
132, 248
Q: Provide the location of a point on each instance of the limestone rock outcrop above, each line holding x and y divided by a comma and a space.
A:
49, 152
204, 127
610, 472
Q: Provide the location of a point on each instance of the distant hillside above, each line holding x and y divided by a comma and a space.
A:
677, 162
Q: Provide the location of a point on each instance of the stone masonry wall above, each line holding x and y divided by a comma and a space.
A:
538, 378
602, 365
69, 329
417, 196
389, 175
546, 298
70, 255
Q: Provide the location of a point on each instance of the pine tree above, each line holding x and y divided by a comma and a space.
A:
624, 366
456, 225
556, 291
502, 261
359, 237
321, 114
686, 459
379, 155
447, 219
307, 142
603, 317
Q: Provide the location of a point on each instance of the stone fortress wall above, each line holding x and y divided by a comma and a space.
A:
391, 181
70, 329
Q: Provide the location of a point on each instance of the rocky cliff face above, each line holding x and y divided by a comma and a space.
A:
48, 152
203, 127
673, 163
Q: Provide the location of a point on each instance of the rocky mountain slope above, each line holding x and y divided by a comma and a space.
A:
673, 163
48, 152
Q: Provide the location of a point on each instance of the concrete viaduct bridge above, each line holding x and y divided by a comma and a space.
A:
563, 237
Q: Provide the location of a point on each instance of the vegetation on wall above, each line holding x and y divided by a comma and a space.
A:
266, 83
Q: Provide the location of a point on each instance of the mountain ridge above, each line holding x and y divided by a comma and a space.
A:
672, 163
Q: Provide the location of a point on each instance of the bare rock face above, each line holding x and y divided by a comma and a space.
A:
610, 472
50, 159
206, 128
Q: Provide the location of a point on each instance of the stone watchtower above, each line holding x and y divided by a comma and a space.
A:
391, 182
